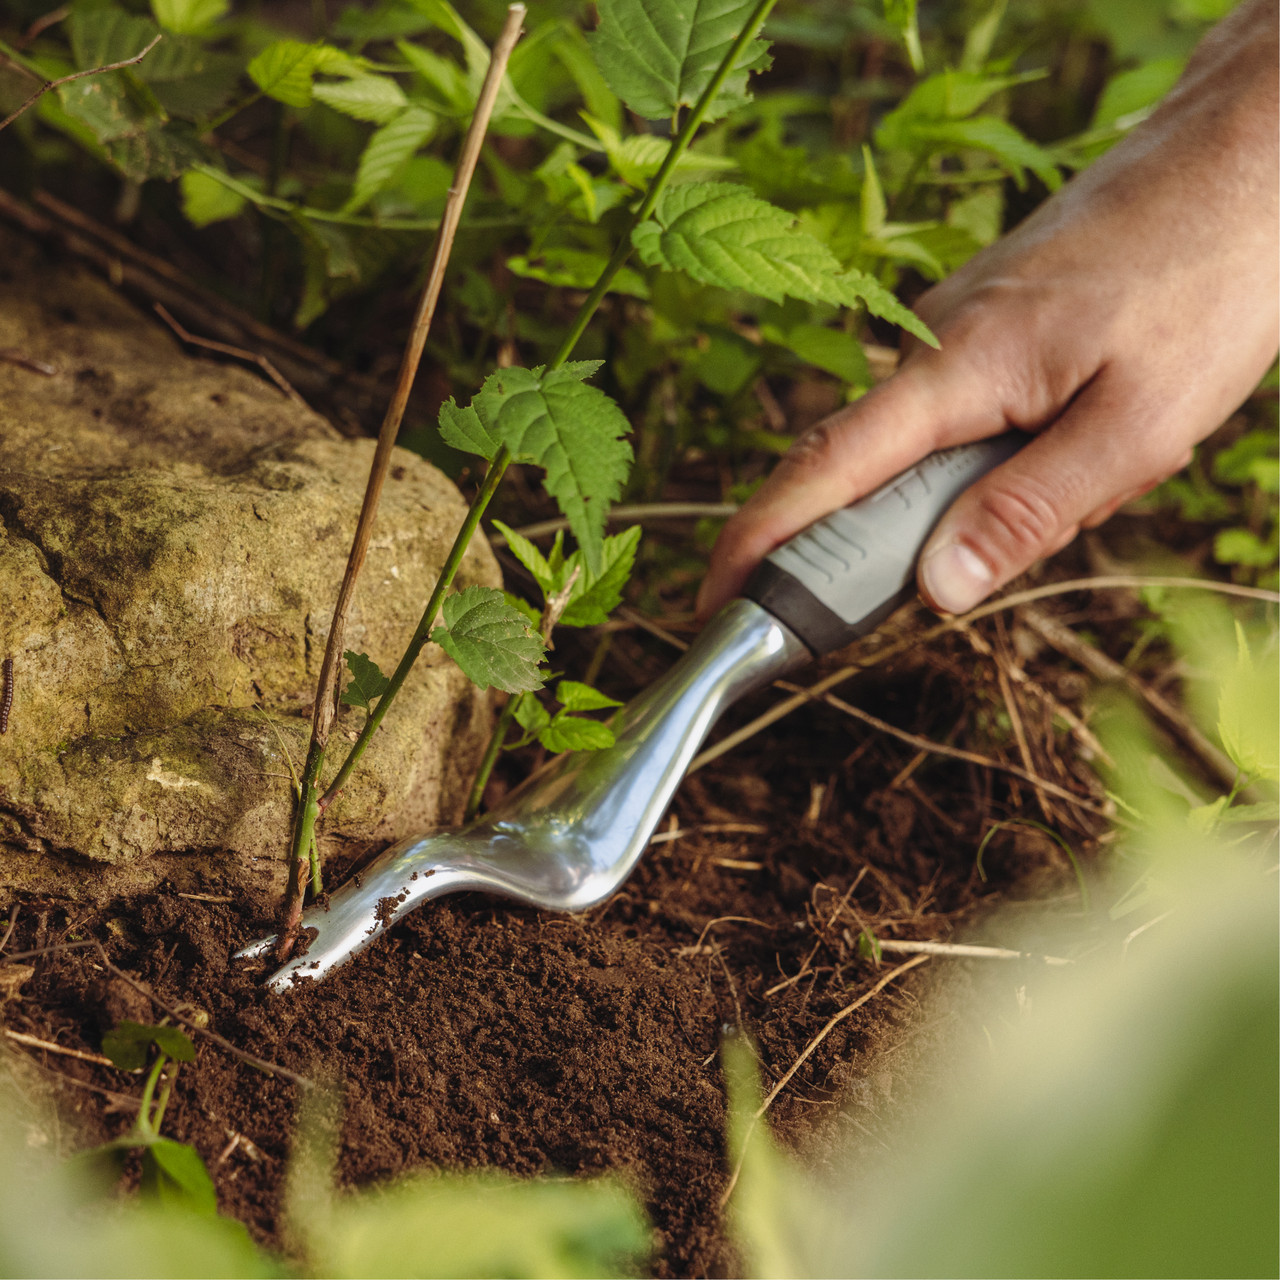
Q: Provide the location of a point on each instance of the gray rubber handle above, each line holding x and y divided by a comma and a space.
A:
845, 574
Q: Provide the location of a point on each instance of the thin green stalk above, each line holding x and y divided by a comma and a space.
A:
148, 1092
422, 633
617, 261
491, 752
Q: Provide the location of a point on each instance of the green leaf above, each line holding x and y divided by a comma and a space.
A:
375, 98
597, 594
576, 269
660, 55
285, 68
174, 1173
1133, 93
723, 234
554, 420
832, 350
205, 200
188, 17
492, 642
1247, 713
902, 15
1244, 547
367, 681
107, 34
1014, 150
127, 1044
387, 151
575, 733
574, 696
529, 556
874, 208
445, 78
531, 715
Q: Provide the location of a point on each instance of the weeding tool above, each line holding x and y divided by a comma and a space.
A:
567, 841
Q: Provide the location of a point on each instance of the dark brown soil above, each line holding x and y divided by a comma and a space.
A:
481, 1034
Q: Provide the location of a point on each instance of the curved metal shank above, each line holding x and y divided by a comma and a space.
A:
570, 839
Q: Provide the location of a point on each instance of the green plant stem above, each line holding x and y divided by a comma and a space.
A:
300, 854
491, 753
148, 1093
422, 633
692, 122
684, 138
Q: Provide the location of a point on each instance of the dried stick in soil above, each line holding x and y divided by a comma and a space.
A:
832, 1022
327, 687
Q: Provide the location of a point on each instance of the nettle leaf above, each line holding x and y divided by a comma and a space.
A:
206, 200
188, 17
575, 733
127, 1044
375, 98
1247, 713
367, 681
387, 150
575, 696
284, 70
723, 234
529, 556
555, 421
660, 55
596, 594
491, 641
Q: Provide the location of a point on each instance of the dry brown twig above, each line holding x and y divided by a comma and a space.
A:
807, 1052
48, 1046
226, 349
77, 75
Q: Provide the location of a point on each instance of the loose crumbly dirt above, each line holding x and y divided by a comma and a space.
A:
477, 1033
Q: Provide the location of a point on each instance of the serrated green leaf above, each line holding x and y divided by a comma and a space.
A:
723, 234
597, 594
1247, 721
386, 151
205, 200
660, 55
284, 70
575, 733
188, 17
529, 556
492, 642
177, 1176
374, 98
367, 681
101, 36
534, 615
554, 420
446, 79
572, 695
531, 715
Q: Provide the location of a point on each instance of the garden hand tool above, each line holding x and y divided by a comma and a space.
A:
567, 841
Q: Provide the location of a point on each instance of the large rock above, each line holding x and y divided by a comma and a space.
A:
172, 536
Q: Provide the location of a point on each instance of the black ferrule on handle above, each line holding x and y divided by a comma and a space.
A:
846, 573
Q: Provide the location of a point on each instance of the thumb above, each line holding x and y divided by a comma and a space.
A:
1102, 449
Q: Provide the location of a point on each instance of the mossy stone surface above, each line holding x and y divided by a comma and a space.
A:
172, 534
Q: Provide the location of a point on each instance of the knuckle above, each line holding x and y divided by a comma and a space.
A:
1017, 521
812, 452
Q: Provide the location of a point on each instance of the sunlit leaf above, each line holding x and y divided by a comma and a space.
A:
386, 151
374, 98
188, 17
177, 1176
1247, 721
575, 696
206, 200
660, 55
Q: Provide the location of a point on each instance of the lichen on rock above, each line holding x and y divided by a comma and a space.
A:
172, 535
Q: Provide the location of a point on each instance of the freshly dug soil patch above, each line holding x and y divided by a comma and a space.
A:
477, 1033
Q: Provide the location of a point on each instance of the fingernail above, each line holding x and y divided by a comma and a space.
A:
955, 578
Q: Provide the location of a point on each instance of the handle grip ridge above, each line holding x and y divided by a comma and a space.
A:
843, 575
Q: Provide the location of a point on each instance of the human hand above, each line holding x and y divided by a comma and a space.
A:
1120, 324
